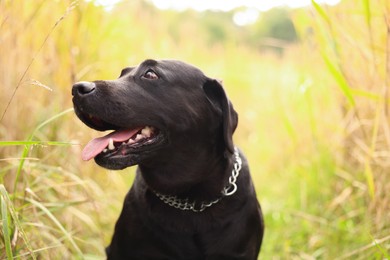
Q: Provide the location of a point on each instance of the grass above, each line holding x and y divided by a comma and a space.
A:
313, 123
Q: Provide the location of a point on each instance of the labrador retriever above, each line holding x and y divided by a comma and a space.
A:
193, 197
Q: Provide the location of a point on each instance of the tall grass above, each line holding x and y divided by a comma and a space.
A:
353, 41
313, 123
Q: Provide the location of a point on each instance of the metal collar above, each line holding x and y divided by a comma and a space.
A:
185, 204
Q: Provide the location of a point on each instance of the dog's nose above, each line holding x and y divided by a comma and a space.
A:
83, 88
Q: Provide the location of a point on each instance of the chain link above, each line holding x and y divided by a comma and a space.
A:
184, 204
232, 187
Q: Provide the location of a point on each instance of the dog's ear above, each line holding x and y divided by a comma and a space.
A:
219, 100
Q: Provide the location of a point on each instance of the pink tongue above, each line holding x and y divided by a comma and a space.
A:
96, 146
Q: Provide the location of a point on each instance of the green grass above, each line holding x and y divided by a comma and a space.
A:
313, 123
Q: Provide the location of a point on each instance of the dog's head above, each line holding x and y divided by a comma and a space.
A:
151, 107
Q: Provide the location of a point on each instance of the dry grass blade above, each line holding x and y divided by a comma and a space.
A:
321, 12
6, 229
43, 143
340, 79
367, 167
387, 69
367, 12
5, 198
313, 120
333, 64
58, 224
358, 251
30, 139
39, 84
25, 255
68, 10
18, 158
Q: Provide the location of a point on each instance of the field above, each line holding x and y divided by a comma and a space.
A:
314, 122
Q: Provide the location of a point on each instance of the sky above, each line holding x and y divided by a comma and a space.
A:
247, 16
227, 5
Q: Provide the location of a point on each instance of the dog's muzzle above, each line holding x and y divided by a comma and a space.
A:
83, 88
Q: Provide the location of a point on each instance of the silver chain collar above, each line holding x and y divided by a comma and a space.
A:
230, 189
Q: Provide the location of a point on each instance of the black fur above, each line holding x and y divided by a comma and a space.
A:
192, 157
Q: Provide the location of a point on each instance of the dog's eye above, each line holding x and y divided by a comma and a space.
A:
150, 74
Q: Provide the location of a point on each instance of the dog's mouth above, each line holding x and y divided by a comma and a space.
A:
121, 143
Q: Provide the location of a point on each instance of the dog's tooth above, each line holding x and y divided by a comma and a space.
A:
131, 141
111, 144
105, 150
138, 137
146, 131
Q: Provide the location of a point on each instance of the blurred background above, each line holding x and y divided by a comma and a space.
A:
310, 81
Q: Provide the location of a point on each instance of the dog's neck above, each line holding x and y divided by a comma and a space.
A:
185, 204
197, 173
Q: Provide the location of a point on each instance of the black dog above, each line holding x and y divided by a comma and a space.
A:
193, 197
